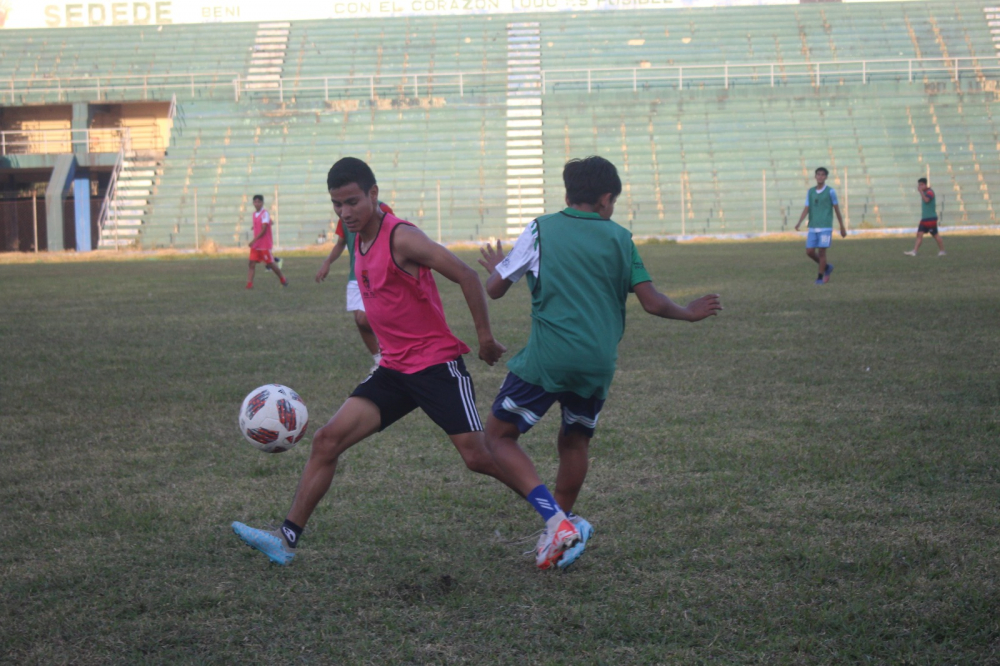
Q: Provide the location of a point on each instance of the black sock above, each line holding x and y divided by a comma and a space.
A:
820, 276
291, 532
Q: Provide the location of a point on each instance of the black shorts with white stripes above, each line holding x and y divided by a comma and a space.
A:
443, 391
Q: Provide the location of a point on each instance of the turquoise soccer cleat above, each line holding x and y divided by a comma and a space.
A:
571, 555
271, 544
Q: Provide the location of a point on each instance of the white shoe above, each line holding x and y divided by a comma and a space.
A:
942, 253
911, 253
554, 542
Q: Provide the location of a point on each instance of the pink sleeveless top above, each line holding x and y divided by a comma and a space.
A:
259, 220
404, 312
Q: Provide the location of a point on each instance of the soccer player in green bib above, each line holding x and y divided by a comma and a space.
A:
580, 268
928, 219
821, 204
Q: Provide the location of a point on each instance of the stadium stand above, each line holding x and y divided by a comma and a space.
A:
149, 62
231, 152
395, 53
727, 110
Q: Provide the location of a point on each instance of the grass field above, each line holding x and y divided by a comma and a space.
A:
812, 477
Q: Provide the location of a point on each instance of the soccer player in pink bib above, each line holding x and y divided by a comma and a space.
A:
262, 243
421, 364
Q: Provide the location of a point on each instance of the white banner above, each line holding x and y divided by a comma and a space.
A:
85, 13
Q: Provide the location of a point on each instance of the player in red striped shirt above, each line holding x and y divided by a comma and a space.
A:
262, 243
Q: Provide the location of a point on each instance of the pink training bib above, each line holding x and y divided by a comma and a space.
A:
405, 312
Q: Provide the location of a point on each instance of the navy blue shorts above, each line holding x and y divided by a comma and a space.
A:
524, 405
444, 392
928, 226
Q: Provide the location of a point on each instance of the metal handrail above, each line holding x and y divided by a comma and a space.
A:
413, 82
109, 212
102, 85
51, 140
496, 81
680, 76
64, 140
729, 73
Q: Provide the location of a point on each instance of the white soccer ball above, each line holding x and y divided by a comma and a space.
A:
273, 418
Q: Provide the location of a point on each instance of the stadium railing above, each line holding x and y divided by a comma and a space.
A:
59, 141
232, 86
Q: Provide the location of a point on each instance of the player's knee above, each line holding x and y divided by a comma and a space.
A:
574, 440
480, 462
477, 457
326, 444
361, 319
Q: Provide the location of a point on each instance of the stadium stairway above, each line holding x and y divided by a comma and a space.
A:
130, 202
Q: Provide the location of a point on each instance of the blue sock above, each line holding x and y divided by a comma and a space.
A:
544, 502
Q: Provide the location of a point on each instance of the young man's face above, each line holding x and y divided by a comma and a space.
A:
820, 178
258, 204
355, 207
921, 187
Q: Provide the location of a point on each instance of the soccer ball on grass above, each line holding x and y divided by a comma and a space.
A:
273, 418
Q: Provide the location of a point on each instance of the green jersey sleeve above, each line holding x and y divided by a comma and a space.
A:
639, 272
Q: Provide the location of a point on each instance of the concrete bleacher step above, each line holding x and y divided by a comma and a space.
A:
122, 230
116, 243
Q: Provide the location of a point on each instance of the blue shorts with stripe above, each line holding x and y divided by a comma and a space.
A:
524, 405
818, 238
443, 391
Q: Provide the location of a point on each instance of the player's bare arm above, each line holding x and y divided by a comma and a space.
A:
496, 286
805, 211
656, 303
840, 219
335, 253
411, 248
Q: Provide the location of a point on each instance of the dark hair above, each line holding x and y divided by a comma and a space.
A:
258, 196
922, 180
349, 170
823, 169
587, 179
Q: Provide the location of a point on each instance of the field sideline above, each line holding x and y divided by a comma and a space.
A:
810, 478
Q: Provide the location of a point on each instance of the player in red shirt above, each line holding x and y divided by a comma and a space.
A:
260, 246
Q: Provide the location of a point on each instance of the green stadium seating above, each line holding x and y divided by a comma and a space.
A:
696, 160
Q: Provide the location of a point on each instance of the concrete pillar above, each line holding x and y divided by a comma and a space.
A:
55, 192
80, 123
81, 203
